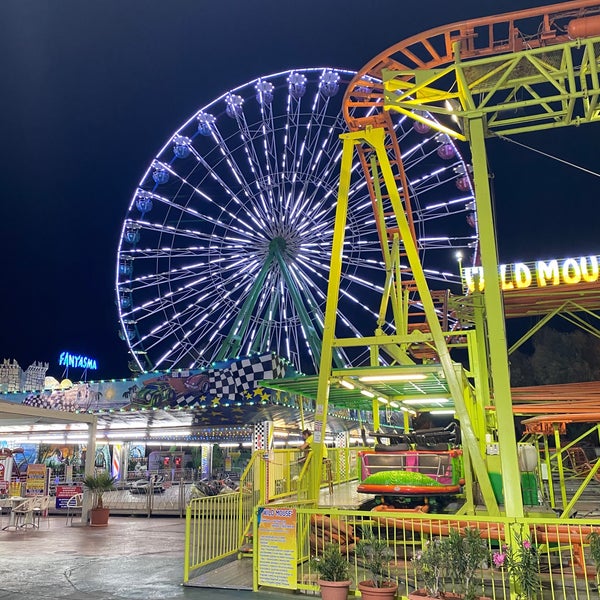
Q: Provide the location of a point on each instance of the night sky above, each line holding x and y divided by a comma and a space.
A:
92, 90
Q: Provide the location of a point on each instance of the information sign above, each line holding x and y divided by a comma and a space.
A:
64, 492
36, 480
277, 554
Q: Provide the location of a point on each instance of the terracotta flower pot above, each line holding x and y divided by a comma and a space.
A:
370, 592
334, 590
99, 517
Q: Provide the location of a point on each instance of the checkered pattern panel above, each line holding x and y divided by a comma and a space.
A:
244, 374
260, 439
54, 402
183, 401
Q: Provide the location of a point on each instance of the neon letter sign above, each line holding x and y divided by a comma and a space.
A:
564, 271
76, 361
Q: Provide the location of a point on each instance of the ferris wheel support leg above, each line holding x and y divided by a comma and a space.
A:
495, 326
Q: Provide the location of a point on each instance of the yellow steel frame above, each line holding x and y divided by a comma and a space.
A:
554, 457
535, 89
542, 88
375, 140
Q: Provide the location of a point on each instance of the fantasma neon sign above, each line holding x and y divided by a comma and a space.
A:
66, 359
541, 273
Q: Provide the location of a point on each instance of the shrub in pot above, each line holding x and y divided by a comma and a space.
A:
456, 558
333, 569
376, 555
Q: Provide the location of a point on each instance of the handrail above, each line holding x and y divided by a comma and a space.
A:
484, 36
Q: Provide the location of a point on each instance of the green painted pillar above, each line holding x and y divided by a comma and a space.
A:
494, 316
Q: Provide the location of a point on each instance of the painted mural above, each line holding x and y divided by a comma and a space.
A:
231, 383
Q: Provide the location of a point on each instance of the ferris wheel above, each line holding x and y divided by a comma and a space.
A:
226, 245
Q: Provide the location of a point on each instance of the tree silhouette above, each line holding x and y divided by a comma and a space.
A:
557, 357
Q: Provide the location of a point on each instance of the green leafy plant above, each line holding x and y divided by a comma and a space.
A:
467, 553
431, 564
594, 541
457, 557
332, 565
99, 484
523, 565
376, 555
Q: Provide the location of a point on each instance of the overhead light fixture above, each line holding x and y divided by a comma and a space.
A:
170, 433
426, 400
441, 412
367, 393
408, 410
383, 400
394, 404
345, 383
393, 377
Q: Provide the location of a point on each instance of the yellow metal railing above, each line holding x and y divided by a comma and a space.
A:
218, 527
288, 474
566, 568
222, 527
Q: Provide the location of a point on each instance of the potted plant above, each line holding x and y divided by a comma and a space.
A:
456, 558
467, 554
333, 569
98, 484
431, 564
523, 565
376, 555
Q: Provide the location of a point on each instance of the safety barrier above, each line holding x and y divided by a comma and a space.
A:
288, 473
219, 527
559, 550
274, 476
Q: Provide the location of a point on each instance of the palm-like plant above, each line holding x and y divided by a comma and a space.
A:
98, 484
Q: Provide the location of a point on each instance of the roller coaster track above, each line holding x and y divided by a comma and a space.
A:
486, 36
456, 63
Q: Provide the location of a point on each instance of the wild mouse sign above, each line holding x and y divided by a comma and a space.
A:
538, 274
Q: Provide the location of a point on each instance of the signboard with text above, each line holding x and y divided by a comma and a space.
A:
539, 274
36, 480
64, 492
277, 554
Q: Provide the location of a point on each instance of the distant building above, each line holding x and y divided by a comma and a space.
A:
14, 379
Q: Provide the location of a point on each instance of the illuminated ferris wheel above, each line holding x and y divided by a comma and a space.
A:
226, 244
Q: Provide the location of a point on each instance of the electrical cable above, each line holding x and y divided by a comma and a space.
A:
565, 162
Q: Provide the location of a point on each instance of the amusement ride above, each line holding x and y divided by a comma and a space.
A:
317, 214
244, 235
226, 246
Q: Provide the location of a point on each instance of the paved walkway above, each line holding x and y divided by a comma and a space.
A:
132, 558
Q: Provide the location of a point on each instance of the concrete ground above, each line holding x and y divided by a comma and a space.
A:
132, 558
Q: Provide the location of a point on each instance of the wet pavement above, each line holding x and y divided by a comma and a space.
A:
132, 558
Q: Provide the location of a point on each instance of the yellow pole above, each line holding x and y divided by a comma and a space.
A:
494, 316
333, 289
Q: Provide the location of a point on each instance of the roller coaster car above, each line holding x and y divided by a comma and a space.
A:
431, 438
403, 477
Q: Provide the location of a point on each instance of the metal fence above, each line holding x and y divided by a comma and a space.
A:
218, 527
557, 553
274, 476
